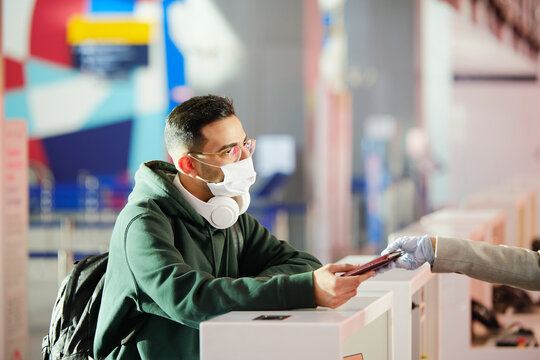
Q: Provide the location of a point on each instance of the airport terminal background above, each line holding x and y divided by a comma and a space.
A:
369, 116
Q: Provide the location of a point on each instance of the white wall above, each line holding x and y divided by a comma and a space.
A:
482, 130
436, 94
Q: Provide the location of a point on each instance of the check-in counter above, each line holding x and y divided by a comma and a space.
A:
488, 225
532, 182
454, 315
454, 294
519, 207
455, 290
360, 329
416, 307
492, 222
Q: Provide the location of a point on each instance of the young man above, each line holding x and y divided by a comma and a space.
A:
184, 249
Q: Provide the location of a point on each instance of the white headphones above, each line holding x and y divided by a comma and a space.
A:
224, 211
220, 211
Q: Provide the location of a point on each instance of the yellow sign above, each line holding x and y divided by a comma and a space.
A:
83, 30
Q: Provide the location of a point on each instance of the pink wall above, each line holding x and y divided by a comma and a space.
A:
494, 134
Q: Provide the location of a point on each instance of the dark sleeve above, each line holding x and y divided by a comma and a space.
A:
168, 287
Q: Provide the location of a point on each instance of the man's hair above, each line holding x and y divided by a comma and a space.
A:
184, 123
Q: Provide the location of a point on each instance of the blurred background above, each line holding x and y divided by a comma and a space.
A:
368, 114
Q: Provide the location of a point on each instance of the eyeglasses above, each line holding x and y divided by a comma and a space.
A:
233, 153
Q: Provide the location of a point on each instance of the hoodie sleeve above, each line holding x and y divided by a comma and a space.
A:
265, 255
167, 286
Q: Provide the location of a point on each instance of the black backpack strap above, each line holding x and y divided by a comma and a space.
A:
46, 348
73, 278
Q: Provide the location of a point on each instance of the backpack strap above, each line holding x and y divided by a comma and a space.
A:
98, 263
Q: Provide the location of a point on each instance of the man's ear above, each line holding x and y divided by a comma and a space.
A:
185, 165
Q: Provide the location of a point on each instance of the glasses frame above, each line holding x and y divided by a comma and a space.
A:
224, 154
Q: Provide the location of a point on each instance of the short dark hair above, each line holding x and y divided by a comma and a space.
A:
184, 123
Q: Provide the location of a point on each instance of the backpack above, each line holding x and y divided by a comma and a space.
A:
75, 312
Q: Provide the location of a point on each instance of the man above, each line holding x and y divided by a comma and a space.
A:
184, 250
508, 265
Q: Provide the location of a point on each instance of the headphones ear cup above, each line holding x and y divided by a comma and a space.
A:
243, 202
225, 212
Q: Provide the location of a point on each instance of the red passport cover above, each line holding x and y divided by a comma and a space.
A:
374, 264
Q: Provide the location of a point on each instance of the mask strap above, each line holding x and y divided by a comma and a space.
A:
202, 162
205, 163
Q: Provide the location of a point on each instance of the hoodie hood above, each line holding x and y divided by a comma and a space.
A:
154, 180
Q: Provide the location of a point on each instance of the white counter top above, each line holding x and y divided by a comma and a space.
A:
319, 333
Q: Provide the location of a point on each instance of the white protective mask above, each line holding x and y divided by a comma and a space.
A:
239, 177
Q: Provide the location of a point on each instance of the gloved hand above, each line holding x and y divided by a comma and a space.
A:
418, 250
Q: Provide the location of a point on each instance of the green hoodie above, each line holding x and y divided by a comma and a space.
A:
190, 274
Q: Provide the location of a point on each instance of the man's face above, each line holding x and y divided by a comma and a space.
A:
220, 137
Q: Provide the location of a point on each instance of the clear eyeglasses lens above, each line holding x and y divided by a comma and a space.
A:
249, 144
235, 153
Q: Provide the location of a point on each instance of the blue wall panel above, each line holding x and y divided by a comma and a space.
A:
100, 151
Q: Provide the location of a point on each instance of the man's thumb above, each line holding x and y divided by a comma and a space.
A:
335, 268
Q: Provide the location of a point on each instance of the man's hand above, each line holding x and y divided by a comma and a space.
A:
333, 291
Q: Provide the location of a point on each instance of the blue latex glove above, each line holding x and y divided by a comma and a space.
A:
418, 250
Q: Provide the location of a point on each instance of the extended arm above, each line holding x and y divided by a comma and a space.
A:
501, 264
167, 286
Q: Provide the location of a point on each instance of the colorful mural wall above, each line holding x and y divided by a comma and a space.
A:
90, 78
